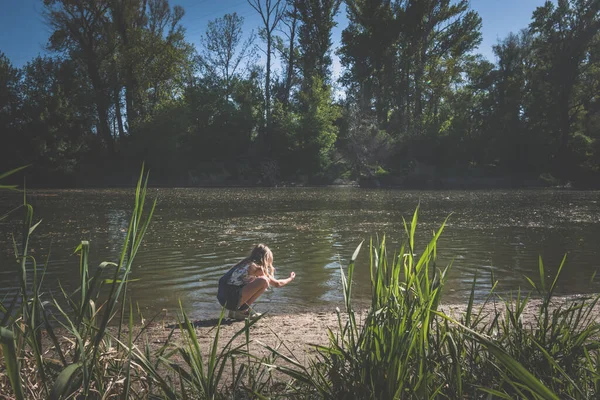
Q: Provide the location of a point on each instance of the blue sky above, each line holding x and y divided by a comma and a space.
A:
23, 32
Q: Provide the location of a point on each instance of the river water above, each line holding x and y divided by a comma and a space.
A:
198, 233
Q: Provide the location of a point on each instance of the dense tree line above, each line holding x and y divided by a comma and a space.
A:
122, 84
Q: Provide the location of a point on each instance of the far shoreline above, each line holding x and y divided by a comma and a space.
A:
428, 187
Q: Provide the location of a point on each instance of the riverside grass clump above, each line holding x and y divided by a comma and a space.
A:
82, 345
77, 356
405, 347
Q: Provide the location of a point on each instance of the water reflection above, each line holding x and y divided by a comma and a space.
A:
116, 222
197, 234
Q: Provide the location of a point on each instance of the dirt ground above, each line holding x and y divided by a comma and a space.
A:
297, 333
293, 334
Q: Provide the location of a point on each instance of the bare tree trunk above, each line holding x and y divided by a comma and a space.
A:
124, 23
271, 13
103, 126
119, 117
101, 103
268, 83
290, 67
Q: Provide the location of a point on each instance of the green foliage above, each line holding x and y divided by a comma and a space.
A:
203, 376
224, 50
364, 146
404, 346
10, 115
391, 353
223, 127
522, 116
317, 128
53, 130
7, 340
314, 39
127, 83
83, 315
162, 152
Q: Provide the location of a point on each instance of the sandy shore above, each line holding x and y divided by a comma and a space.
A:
294, 334
298, 333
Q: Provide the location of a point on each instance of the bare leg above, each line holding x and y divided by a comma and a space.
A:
253, 290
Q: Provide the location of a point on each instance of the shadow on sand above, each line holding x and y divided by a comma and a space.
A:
208, 323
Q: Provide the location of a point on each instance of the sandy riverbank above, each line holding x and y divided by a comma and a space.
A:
295, 334
299, 332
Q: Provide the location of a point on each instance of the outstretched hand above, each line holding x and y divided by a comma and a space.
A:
292, 275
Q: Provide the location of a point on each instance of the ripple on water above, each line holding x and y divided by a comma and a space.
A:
197, 234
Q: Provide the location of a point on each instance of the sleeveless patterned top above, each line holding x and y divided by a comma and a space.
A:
240, 276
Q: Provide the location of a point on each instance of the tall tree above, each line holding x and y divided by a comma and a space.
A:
563, 34
314, 35
405, 54
10, 109
57, 117
164, 59
288, 49
317, 129
81, 30
512, 141
271, 12
442, 32
369, 44
129, 18
223, 48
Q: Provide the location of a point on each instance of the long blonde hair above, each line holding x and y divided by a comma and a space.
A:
262, 256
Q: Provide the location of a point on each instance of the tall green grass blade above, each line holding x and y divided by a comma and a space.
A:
7, 340
8, 312
93, 287
33, 228
154, 374
83, 275
454, 354
348, 286
7, 174
67, 382
559, 369
542, 274
529, 381
555, 281
80, 355
9, 213
117, 287
496, 394
425, 257
53, 337
8, 187
127, 382
35, 327
27, 220
531, 282
13, 171
413, 228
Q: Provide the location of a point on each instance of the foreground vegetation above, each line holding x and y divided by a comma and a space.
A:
121, 81
85, 344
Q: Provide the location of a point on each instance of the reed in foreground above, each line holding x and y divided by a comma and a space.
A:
91, 350
406, 347
86, 358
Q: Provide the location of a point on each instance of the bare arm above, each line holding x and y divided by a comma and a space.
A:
281, 282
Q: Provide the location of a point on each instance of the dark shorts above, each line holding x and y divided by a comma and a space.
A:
229, 296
